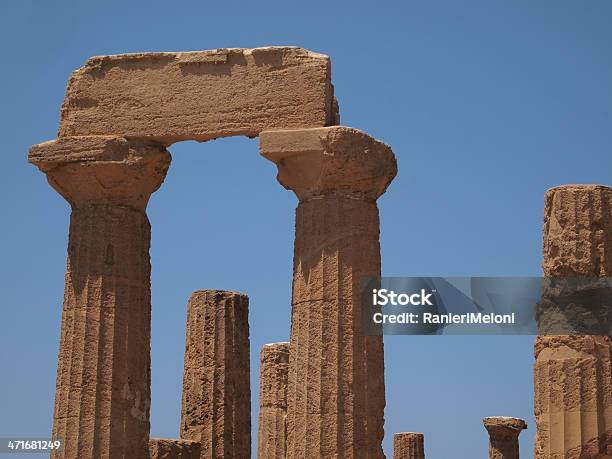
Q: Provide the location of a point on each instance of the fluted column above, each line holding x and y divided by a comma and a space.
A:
336, 395
503, 436
272, 437
573, 374
103, 378
408, 445
216, 408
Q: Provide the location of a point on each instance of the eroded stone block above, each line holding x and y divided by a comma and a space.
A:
170, 448
199, 95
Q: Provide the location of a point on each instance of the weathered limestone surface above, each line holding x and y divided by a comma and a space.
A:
336, 395
408, 445
216, 409
199, 95
272, 436
103, 379
573, 374
503, 436
169, 448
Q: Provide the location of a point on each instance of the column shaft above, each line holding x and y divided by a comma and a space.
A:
216, 408
408, 445
103, 378
272, 437
336, 375
573, 374
507, 448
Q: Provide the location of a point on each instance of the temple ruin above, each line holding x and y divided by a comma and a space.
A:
163, 448
119, 115
322, 394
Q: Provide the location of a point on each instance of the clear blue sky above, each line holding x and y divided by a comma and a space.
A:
485, 103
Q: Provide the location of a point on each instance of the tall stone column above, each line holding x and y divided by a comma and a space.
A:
103, 378
336, 394
573, 374
503, 436
216, 409
408, 445
272, 437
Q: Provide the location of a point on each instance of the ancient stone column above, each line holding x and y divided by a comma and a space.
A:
169, 448
573, 374
272, 436
216, 407
336, 395
408, 445
503, 436
103, 378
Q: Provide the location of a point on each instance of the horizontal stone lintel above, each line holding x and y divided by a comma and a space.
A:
199, 95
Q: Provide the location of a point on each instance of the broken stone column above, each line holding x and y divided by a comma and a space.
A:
408, 445
103, 378
336, 394
573, 374
503, 436
216, 408
272, 437
169, 448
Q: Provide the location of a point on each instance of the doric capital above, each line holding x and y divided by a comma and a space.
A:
330, 160
504, 427
102, 169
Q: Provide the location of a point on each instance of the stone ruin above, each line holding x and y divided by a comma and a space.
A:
322, 394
